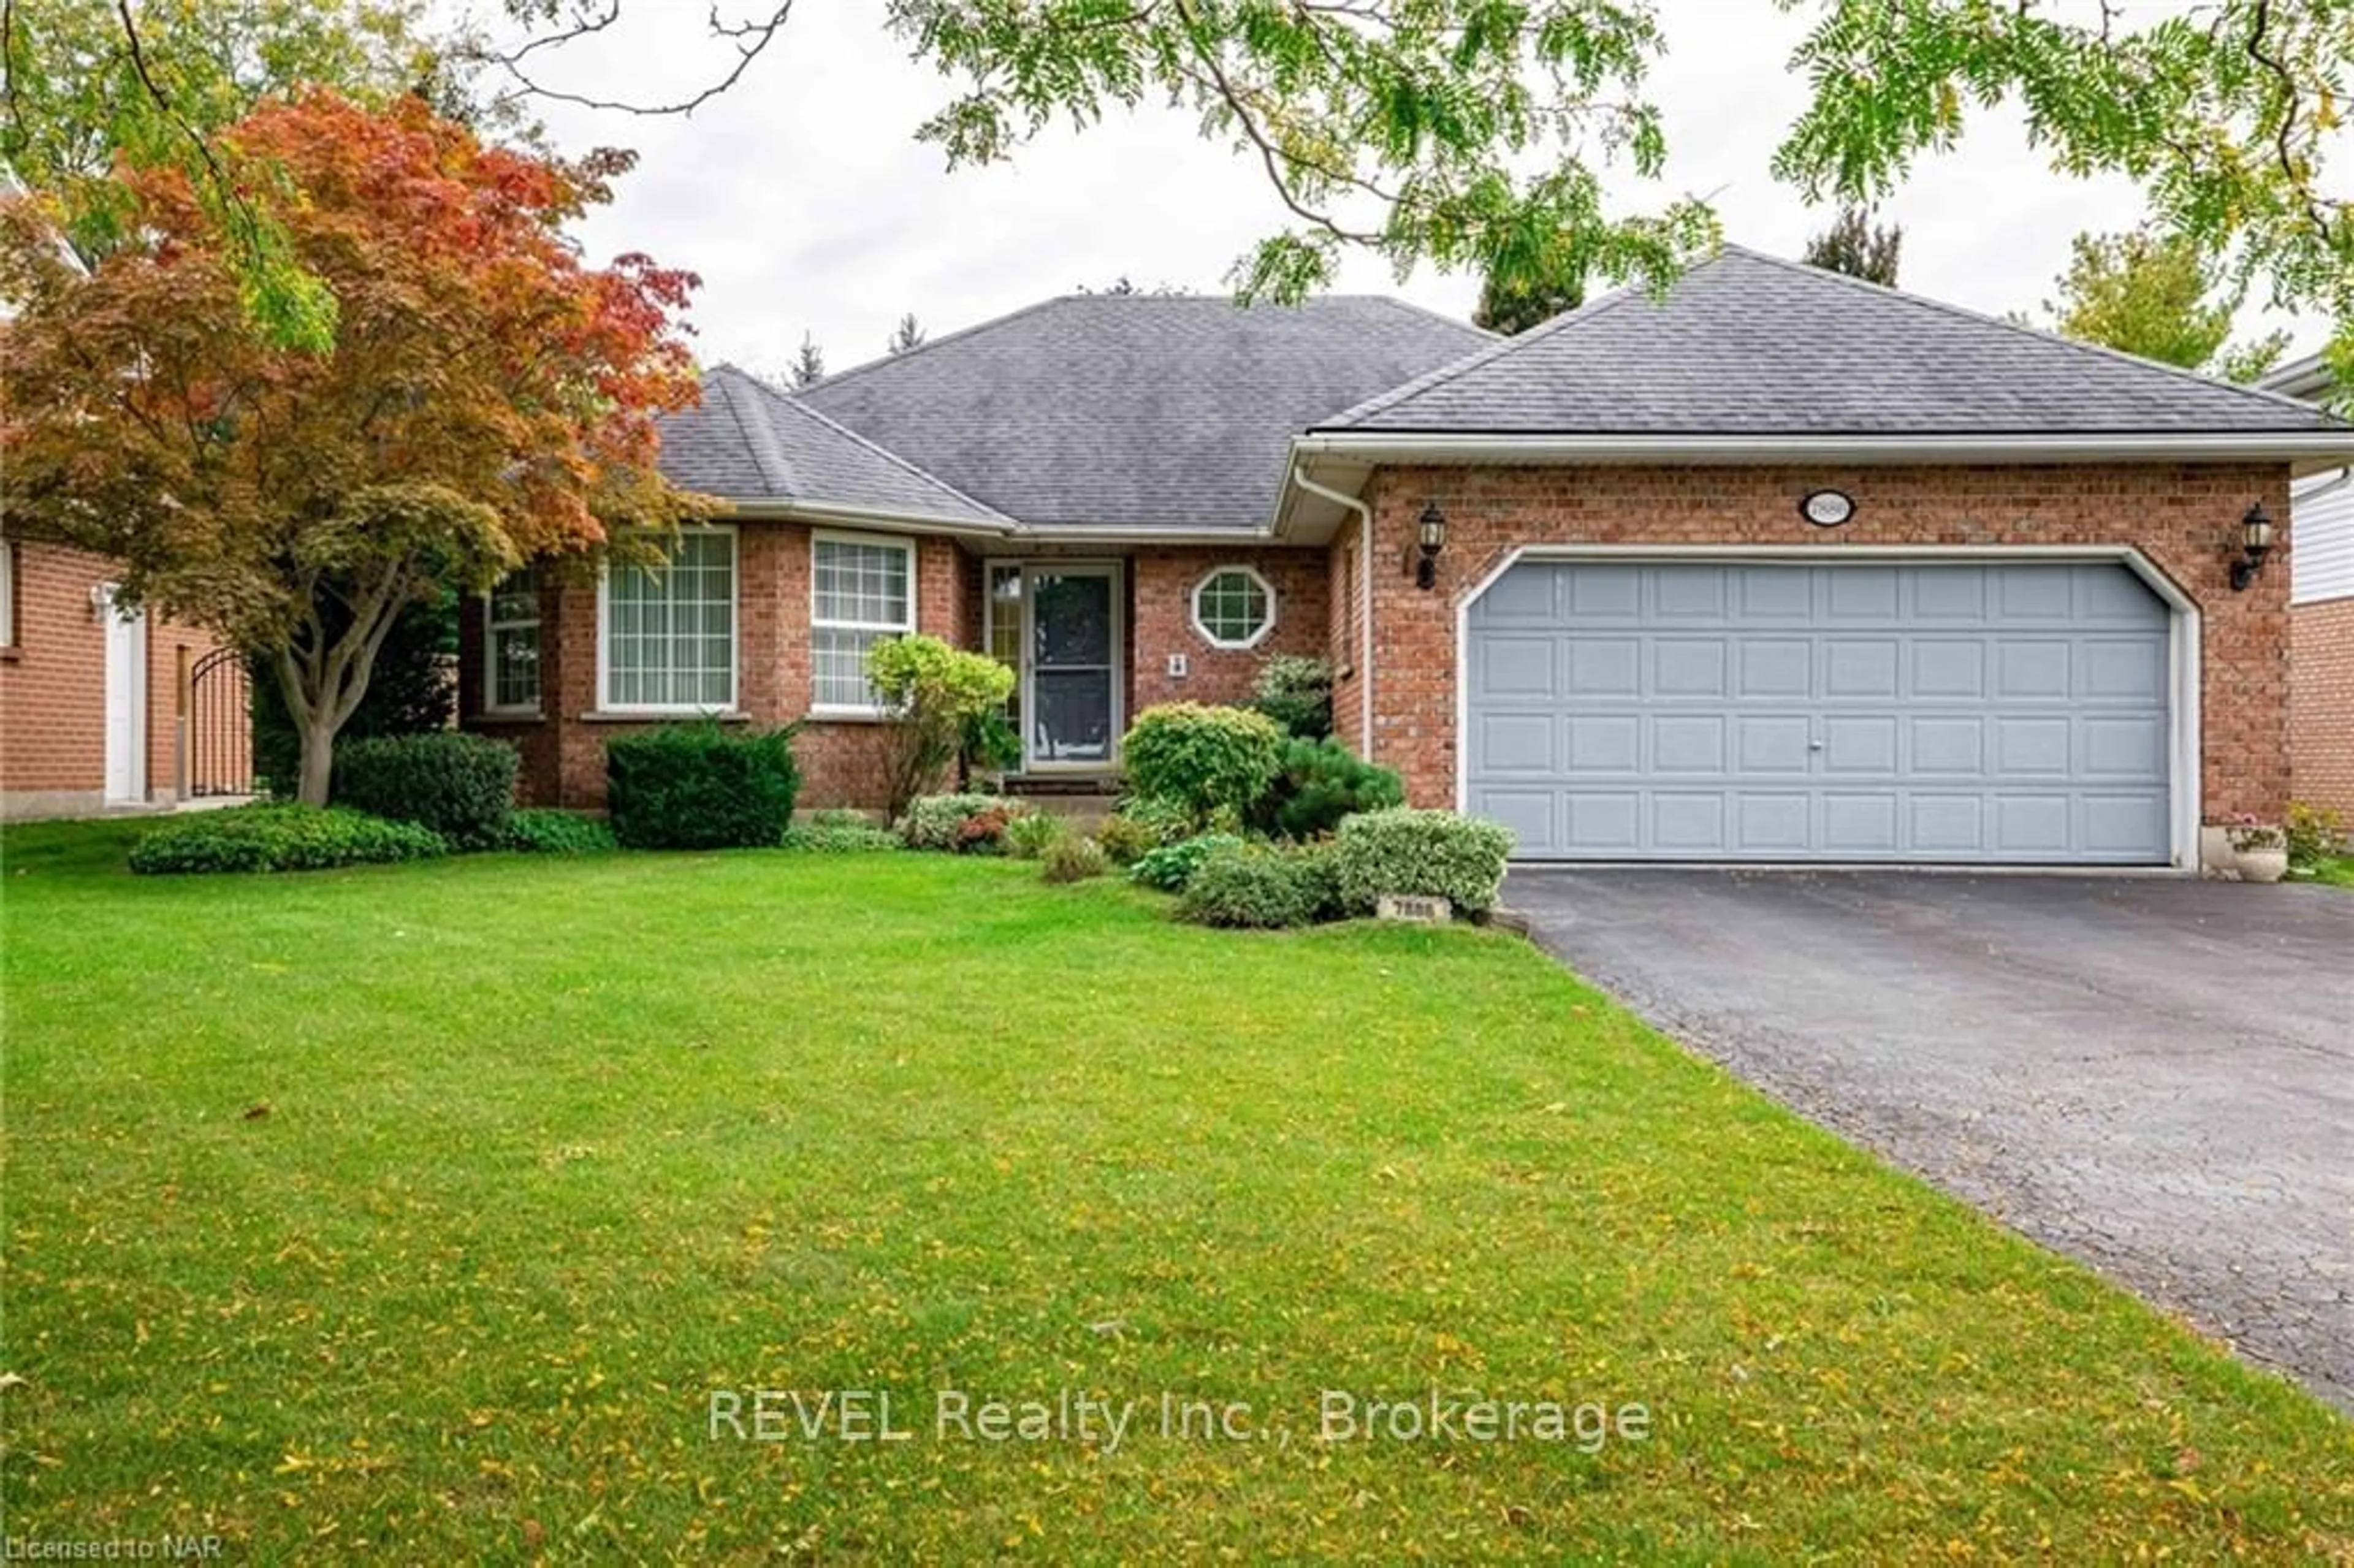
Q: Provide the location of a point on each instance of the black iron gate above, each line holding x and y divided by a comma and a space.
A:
216, 726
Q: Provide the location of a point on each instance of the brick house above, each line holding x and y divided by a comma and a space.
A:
1785, 567
91, 700
2320, 617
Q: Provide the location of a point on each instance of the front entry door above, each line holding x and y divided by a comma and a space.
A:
1071, 700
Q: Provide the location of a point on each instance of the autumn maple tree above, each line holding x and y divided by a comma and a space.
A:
488, 399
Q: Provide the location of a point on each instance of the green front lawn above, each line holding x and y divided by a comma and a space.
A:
423, 1208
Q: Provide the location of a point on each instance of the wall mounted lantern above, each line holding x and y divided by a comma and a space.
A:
1430, 536
2255, 544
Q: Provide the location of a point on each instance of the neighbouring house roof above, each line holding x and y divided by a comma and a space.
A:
760, 448
2309, 379
1167, 413
1746, 344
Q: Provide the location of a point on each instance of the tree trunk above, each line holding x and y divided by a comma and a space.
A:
318, 760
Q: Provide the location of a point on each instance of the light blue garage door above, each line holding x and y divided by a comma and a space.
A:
2004, 714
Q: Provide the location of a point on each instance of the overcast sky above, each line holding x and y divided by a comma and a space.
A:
805, 203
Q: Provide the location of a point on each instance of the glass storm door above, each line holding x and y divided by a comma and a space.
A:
1071, 712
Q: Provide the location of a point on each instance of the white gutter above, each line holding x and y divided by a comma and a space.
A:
1364, 597
883, 521
2345, 477
2322, 447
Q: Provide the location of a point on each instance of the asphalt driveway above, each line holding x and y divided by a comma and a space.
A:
2156, 1076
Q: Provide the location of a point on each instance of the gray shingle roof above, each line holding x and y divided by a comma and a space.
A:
1162, 411
1751, 344
749, 441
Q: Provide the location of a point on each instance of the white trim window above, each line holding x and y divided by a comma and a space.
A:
511, 644
7, 594
1233, 606
861, 592
666, 636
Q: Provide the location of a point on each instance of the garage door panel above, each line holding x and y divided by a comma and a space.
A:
1689, 823
1780, 823
2121, 670
1859, 825
1949, 667
1943, 825
2121, 746
2032, 669
1862, 593
1958, 593
1949, 746
1860, 712
1516, 743
1515, 667
1697, 594
1774, 743
1775, 593
1689, 667
2032, 747
2121, 824
1605, 743
1602, 666
1688, 743
1773, 667
1860, 743
1856, 667
1600, 592
1603, 823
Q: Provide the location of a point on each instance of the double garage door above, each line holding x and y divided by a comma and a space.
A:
2005, 714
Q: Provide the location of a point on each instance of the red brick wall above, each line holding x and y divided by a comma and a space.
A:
564, 752
2182, 516
1161, 622
2321, 704
53, 687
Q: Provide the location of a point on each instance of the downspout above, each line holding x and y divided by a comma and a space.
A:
1364, 597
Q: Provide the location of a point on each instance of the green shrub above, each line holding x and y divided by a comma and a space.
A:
839, 831
1028, 838
938, 696
1435, 854
280, 838
2313, 833
937, 822
1070, 858
1319, 783
537, 829
1256, 887
701, 786
1204, 759
1296, 693
1124, 839
1163, 821
1171, 866
460, 786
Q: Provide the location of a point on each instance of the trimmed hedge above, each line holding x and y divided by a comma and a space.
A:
460, 786
1319, 783
1204, 759
1259, 888
701, 786
280, 838
1438, 855
541, 830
